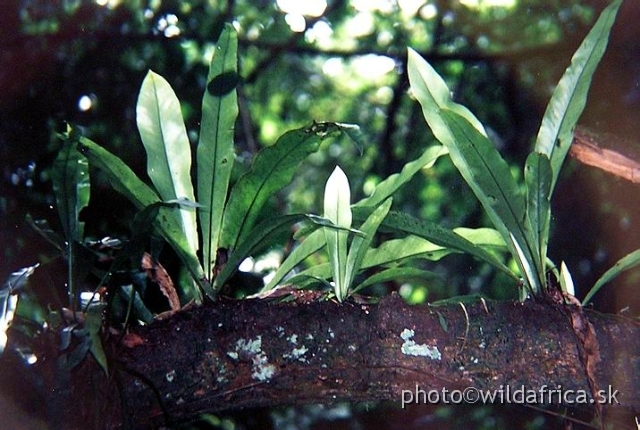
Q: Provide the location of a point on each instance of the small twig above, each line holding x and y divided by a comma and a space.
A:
466, 330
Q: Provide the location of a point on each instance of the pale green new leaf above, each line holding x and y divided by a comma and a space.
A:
125, 181
566, 281
569, 97
215, 147
537, 177
164, 136
627, 262
271, 170
391, 184
360, 244
337, 208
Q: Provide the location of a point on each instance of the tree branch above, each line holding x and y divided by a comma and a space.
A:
252, 353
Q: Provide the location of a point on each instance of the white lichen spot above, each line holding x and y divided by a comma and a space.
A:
297, 354
293, 339
262, 370
219, 325
352, 348
170, 376
309, 336
407, 334
482, 345
252, 348
280, 331
410, 347
180, 401
331, 334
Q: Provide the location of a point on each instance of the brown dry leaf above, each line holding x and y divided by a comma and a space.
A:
586, 333
159, 275
131, 340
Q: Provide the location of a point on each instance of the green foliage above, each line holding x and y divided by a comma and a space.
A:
346, 262
165, 139
9, 297
225, 221
70, 177
215, 146
627, 262
478, 161
271, 170
125, 181
570, 95
337, 209
523, 223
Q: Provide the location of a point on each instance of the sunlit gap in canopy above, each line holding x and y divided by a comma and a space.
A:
296, 10
111, 4
488, 4
371, 66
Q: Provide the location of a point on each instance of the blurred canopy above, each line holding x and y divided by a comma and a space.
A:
82, 62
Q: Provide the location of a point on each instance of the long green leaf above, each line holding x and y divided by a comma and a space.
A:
476, 242
164, 137
311, 244
125, 181
360, 244
396, 251
262, 234
537, 176
433, 94
489, 177
570, 96
391, 184
442, 238
272, 169
71, 186
215, 147
395, 274
411, 247
627, 262
476, 158
337, 208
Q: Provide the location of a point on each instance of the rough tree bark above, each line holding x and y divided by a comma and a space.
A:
250, 353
